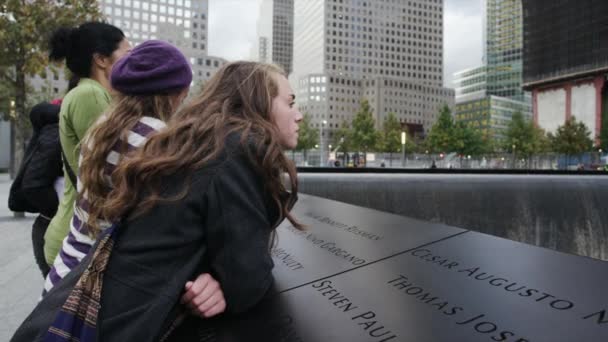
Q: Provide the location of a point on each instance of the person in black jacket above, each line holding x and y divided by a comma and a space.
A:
203, 195
34, 187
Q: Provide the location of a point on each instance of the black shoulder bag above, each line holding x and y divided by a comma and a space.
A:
68, 169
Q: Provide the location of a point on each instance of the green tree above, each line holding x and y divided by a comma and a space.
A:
542, 141
468, 140
523, 137
441, 138
364, 133
25, 28
390, 137
7, 94
572, 138
604, 128
308, 136
342, 139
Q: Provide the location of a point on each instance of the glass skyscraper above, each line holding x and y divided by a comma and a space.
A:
487, 96
504, 48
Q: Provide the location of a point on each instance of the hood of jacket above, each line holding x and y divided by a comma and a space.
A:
44, 114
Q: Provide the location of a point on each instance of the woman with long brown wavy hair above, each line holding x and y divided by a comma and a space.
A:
203, 195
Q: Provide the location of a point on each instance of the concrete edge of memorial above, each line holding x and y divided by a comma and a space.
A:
567, 213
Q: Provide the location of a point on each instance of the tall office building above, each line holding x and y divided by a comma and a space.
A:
504, 48
275, 33
566, 62
385, 51
489, 95
183, 23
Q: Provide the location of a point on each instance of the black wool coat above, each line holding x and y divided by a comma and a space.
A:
222, 226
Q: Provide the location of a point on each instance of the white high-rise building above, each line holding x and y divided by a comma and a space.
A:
183, 23
275, 33
389, 52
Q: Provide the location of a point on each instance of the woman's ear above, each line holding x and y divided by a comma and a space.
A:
101, 61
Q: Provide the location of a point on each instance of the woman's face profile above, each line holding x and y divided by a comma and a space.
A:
285, 114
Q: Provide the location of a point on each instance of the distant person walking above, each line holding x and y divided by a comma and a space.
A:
90, 51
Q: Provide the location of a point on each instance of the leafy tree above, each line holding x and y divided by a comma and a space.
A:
468, 141
343, 137
604, 129
523, 137
572, 138
390, 139
308, 136
364, 134
7, 94
25, 28
342, 140
441, 138
543, 143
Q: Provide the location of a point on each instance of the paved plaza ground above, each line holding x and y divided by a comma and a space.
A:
20, 280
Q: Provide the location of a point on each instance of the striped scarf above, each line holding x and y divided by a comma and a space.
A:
76, 321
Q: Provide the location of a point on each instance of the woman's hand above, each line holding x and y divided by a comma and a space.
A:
204, 296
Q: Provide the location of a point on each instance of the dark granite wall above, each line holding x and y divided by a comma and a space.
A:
565, 213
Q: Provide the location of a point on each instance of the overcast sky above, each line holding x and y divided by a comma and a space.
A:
232, 31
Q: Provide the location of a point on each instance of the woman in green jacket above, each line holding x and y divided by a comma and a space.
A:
90, 51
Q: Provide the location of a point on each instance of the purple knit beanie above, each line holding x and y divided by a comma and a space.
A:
153, 67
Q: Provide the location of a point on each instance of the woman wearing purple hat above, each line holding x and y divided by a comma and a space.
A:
205, 193
151, 83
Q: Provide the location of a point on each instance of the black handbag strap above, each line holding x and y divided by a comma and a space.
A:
68, 169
